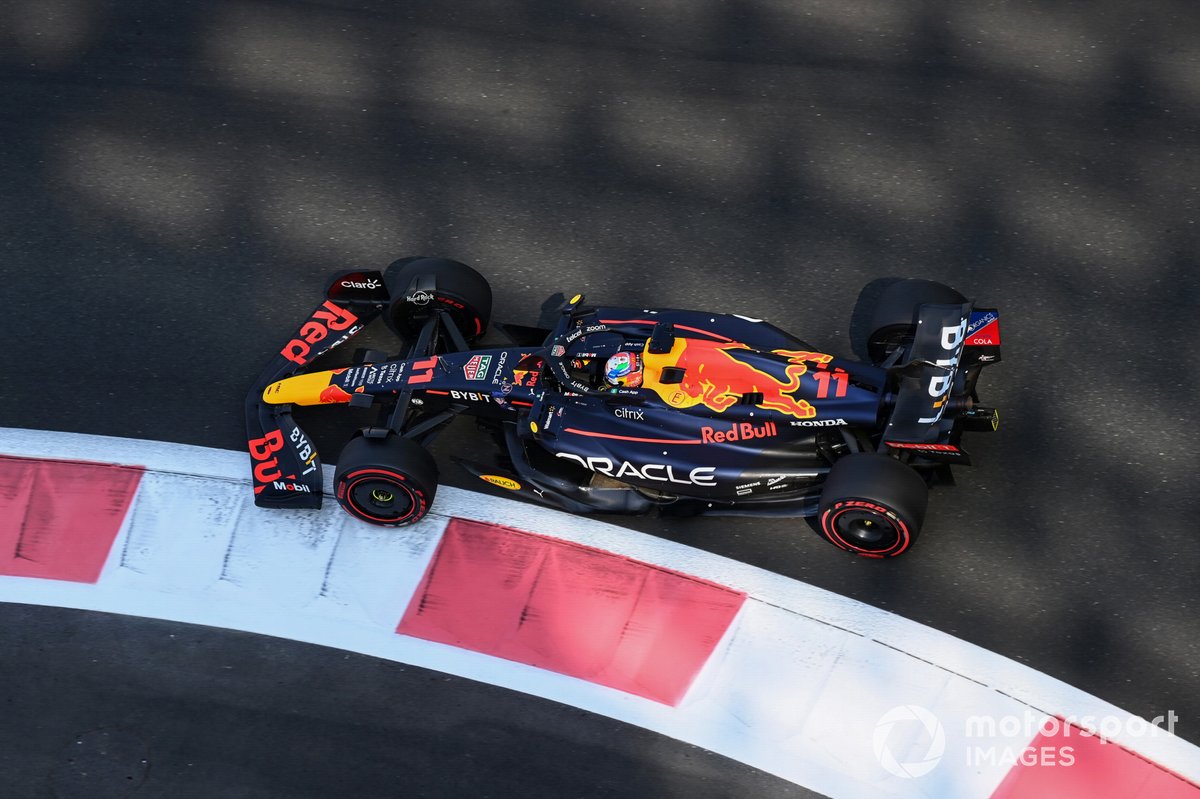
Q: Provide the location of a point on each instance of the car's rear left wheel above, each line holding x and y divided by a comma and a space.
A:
893, 323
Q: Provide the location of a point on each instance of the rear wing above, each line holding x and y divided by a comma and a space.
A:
952, 344
285, 468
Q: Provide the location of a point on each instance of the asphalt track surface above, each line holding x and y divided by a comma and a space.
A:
174, 710
180, 179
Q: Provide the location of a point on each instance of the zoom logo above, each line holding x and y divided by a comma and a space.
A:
907, 718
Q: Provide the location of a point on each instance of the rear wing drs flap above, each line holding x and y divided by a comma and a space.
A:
285, 467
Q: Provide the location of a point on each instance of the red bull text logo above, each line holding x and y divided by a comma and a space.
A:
717, 375
327, 318
266, 465
745, 431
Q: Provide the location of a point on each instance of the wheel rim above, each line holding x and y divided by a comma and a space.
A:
866, 531
381, 498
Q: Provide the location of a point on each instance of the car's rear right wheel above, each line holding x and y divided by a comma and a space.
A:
872, 505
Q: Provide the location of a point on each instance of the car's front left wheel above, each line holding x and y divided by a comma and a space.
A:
457, 290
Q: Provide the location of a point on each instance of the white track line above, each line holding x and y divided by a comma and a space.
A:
796, 688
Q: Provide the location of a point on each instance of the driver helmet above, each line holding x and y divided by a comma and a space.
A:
624, 370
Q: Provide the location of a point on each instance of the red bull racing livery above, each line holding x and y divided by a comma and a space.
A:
607, 409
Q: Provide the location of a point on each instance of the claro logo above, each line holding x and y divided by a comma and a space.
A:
327, 318
939, 385
365, 284
700, 476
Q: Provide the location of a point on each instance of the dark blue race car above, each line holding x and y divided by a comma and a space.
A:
607, 409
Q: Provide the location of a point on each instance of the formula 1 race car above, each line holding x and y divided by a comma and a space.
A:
603, 409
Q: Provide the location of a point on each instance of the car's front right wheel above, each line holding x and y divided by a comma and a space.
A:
386, 481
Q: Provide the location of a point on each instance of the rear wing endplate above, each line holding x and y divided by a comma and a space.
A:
930, 377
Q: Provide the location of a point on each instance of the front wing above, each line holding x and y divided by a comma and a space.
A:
285, 467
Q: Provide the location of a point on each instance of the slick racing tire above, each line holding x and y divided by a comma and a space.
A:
872, 505
386, 481
457, 289
894, 324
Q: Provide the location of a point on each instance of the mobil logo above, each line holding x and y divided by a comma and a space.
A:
737, 431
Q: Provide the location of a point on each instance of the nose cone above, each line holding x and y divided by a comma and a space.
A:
307, 389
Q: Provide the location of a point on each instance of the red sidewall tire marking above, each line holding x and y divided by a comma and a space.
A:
829, 527
416, 497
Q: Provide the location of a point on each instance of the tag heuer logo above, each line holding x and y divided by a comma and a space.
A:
477, 367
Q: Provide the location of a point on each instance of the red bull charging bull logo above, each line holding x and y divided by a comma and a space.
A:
335, 393
718, 374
